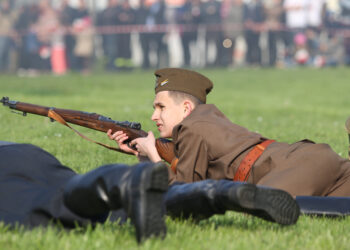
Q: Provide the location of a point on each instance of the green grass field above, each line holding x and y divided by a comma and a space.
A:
286, 105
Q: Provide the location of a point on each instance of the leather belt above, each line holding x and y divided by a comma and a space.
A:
246, 164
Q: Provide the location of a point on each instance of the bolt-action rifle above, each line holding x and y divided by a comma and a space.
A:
94, 121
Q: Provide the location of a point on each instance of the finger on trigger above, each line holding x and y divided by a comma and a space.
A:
122, 139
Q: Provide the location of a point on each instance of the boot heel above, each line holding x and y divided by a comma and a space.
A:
270, 204
154, 221
148, 210
159, 177
278, 206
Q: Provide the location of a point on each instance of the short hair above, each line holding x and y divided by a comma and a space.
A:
179, 96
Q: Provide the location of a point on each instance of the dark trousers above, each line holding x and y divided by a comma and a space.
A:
186, 39
253, 56
216, 38
31, 188
110, 47
227, 54
154, 41
272, 41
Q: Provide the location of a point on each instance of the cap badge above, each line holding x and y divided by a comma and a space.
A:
164, 82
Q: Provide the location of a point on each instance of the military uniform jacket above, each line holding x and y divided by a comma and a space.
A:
210, 146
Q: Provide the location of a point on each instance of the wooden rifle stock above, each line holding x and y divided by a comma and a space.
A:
94, 121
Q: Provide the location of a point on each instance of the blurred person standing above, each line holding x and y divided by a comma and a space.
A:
67, 16
253, 23
315, 17
296, 22
232, 17
188, 15
126, 16
46, 26
274, 14
345, 23
141, 17
107, 19
315, 13
296, 14
162, 36
83, 31
212, 20
332, 50
7, 20
345, 8
153, 38
27, 40
331, 45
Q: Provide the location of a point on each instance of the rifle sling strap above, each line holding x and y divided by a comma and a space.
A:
174, 164
53, 115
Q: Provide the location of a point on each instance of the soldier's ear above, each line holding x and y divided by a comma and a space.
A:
188, 106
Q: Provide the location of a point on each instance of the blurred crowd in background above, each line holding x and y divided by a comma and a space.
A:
61, 36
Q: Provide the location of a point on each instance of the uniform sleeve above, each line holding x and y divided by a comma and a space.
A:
191, 149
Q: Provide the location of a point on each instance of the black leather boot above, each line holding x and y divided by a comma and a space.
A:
139, 190
206, 198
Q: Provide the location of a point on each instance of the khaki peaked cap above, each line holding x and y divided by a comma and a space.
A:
183, 80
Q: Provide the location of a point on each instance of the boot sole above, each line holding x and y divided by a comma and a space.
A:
270, 204
151, 210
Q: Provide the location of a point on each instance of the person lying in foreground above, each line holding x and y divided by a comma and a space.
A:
37, 190
209, 146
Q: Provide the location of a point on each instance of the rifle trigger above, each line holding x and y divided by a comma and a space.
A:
131, 146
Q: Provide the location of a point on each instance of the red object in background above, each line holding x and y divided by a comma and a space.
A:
58, 59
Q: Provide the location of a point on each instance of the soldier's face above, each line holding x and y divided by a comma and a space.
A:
167, 113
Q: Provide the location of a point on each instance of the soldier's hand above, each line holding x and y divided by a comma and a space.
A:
120, 137
146, 146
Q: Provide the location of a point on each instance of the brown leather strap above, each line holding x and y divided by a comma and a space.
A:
246, 164
174, 164
53, 115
